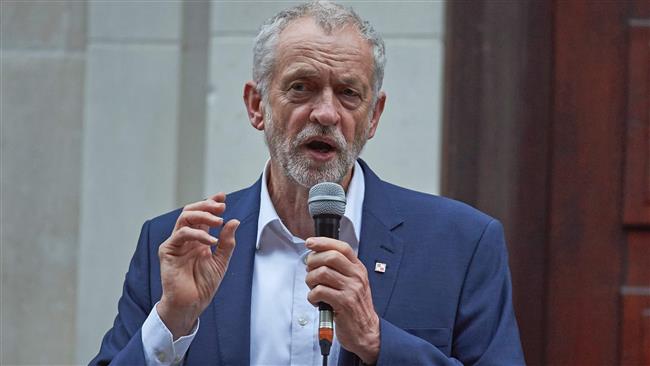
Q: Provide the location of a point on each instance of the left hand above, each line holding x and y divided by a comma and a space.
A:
337, 277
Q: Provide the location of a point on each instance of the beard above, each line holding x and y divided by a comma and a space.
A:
298, 166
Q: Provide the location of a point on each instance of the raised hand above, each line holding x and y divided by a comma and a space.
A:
190, 272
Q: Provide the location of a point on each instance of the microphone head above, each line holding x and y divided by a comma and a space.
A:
326, 198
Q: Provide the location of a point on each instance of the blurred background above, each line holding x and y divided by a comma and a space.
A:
537, 112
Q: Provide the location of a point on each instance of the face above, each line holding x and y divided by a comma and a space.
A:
320, 112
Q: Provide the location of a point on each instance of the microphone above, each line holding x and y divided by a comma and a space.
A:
326, 206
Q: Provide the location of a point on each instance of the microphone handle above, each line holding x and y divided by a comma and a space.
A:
326, 225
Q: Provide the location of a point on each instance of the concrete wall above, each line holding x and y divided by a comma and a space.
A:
114, 112
41, 102
129, 150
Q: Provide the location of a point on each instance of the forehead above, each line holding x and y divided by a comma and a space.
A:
303, 46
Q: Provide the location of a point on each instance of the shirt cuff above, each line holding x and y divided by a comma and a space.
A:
157, 341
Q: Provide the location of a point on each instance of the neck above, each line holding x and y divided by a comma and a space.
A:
290, 201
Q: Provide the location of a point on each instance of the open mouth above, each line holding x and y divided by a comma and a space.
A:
320, 146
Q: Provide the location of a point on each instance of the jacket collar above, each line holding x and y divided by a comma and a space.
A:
379, 243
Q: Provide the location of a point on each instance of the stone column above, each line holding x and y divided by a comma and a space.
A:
42, 59
129, 150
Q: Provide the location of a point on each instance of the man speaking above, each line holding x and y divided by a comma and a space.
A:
413, 279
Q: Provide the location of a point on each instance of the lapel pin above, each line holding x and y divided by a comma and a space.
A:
380, 267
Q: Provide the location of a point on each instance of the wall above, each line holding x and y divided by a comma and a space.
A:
42, 65
129, 150
114, 112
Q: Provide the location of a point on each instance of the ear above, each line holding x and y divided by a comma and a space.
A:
253, 102
376, 114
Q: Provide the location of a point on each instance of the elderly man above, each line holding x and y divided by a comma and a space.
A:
415, 279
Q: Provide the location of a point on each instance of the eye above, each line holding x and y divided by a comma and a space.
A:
350, 92
299, 87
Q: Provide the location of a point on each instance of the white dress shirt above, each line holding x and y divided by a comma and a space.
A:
284, 324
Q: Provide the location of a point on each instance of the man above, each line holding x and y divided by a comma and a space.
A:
415, 279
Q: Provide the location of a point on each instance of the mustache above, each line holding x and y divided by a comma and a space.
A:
312, 130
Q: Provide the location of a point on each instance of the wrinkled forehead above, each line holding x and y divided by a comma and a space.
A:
343, 47
308, 28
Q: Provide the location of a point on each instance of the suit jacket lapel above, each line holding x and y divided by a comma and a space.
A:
229, 313
379, 246
378, 243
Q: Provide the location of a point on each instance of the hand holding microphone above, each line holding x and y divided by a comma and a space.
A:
338, 279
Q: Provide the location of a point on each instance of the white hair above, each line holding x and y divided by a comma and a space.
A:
328, 16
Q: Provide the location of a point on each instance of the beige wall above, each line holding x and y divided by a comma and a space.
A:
114, 112
42, 65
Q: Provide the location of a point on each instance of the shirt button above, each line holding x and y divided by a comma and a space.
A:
303, 321
160, 355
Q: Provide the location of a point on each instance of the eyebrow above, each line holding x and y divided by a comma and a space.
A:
351, 80
299, 72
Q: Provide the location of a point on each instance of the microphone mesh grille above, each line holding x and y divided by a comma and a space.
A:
326, 198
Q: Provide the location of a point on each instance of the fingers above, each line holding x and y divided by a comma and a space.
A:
330, 286
227, 241
344, 296
209, 205
218, 197
327, 295
321, 244
203, 214
332, 259
327, 277
197, 219
189, 234
335, 274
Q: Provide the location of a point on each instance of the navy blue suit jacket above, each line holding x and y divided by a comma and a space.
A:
445, 298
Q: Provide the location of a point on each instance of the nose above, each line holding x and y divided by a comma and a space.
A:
325, 110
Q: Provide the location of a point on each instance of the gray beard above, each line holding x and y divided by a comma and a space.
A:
298, 166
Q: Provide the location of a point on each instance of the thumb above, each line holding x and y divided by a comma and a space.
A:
226, 243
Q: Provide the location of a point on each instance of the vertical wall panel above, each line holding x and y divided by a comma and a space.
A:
41, 155
42, 64
192, 108
129, 170
129, 150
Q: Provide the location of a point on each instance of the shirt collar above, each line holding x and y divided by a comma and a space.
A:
351, 217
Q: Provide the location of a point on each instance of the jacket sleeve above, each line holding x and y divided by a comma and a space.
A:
485, 330
122, 344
